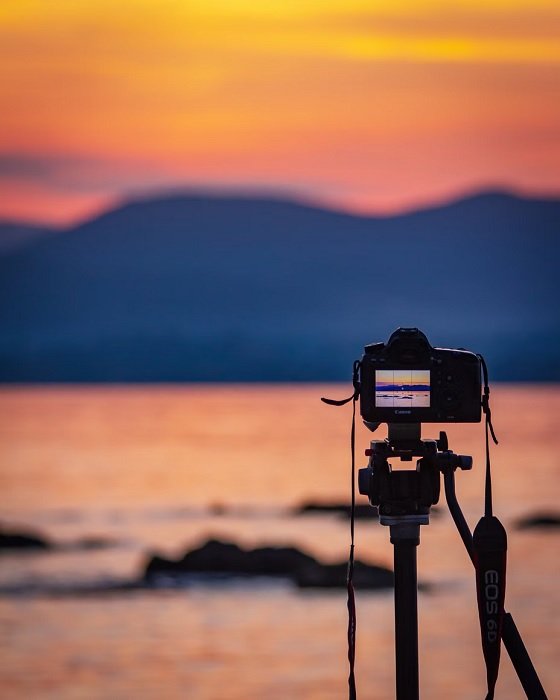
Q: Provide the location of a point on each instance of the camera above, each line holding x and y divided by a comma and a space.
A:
406, 380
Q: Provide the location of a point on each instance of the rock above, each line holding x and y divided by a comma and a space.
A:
366, 576
227, 559
218, 509
539, 520
22, 540
361, 511
91, 543
13, 540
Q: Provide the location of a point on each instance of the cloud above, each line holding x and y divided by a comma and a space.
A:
81, 174
35, 168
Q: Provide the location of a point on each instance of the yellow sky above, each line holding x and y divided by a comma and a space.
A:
372, 105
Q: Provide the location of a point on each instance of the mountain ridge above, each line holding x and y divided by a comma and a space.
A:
213, 288
15, 235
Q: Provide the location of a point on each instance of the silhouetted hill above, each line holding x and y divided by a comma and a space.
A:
242, 289
14, 236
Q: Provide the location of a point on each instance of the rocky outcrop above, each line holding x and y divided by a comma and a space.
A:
89, 543
539, 520
366, 576
227, 559
362, 510
12, 540
23, 540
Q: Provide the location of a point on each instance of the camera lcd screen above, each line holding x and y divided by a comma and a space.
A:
406, 388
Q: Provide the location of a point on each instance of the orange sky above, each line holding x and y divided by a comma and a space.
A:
402, 376
371, 105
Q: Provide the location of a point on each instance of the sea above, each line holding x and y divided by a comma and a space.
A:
114, 474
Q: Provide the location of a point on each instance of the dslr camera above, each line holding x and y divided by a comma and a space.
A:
406, 380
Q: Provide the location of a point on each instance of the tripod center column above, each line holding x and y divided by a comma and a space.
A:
405, 537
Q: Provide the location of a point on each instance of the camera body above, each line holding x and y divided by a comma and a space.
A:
406, 380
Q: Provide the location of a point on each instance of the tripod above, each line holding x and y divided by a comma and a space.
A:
404, 499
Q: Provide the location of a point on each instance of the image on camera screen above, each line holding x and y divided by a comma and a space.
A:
405, 388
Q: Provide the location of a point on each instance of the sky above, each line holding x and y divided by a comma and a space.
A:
370, 106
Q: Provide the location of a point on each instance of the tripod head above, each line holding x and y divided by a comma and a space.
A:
407, 493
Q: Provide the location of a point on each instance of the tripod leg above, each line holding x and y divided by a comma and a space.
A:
405, 539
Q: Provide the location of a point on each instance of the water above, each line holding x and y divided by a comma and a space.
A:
163, 468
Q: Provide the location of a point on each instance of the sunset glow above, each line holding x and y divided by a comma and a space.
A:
364, 105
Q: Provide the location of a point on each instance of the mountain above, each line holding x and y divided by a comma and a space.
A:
203, 288
14, 235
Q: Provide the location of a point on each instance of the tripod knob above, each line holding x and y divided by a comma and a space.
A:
449, 460
442, 443
464, 462
364, 480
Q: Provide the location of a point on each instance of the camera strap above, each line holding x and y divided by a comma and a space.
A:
351, 603
489, 549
